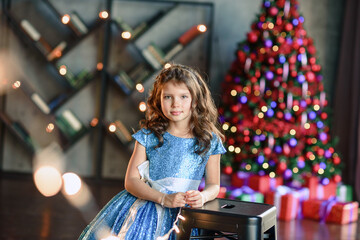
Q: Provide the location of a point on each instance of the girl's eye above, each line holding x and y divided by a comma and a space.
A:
184, 96
167, 97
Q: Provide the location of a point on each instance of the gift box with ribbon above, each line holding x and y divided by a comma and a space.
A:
288, 201
331, 210
344, 193
245, 193
319, 190
258, 183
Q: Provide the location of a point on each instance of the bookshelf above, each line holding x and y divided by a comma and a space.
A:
89, 74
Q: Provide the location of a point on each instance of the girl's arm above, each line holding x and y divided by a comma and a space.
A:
212, 184
138, 188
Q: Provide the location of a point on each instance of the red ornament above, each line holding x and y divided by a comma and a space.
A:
310, 76
337, 178
311, 49
336, 160
282, 105
320, 152
271, 60
293, 73
323, 115
316, 167
252, 37
279, 115
267, 151
273, 11
228, 170
235, 108
292, 59
282, 167
312, 60
253, 79
288, 27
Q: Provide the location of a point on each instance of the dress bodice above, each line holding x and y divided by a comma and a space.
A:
175, 165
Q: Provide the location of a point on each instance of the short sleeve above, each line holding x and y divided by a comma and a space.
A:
216, 146
141, 136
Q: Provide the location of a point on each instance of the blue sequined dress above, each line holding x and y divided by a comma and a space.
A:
174, 167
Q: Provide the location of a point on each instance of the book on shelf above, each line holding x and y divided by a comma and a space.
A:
182, 41
23, 134
69, 124
40, 42
81, 78
78, 80
123, 25
18, 129
143, 26
122, 133
57, 101
157, 57
154, 55
139, 73
57, 51
35, 98
77, 24
124, 82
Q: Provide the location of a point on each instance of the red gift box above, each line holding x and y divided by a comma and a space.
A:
258, 183
264, 183
222, 192
288, 201
240, 179
331, 210
318, 190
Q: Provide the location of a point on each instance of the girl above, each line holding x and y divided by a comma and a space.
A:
178, 144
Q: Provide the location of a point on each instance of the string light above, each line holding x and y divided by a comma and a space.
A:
272, 175
99, 66
140, 87
65, 19
50, 127
62, 70
175, 227
142, 106
16, 84
72, 183
167, 65
126, 35
237, 150
233, 92
225, 126
202, 28
112, 127
104, 14
94, 122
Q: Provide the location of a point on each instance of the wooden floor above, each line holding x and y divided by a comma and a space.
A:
26, 214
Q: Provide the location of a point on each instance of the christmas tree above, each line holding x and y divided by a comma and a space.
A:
274, 110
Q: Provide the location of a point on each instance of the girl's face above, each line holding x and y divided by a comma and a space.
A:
176, 102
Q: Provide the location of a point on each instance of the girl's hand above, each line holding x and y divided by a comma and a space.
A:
194, 199
174, 200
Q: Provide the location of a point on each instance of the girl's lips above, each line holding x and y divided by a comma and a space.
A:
175, 113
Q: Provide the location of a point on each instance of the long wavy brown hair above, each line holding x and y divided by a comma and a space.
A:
204, 118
